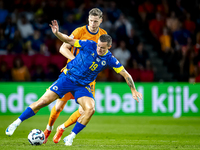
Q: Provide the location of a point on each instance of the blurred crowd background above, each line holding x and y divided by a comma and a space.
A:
155, 40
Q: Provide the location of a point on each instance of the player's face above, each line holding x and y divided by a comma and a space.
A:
102, 47
94, 23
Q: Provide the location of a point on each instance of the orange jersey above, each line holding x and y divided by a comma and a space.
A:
83, 33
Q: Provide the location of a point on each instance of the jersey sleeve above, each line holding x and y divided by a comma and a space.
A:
83, 43
115, 64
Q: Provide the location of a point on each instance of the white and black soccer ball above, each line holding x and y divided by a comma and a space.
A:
36, 137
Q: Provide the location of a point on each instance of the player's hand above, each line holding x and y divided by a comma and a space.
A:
54, 26
137, 94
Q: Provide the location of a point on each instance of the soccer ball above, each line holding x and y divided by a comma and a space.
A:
36, 137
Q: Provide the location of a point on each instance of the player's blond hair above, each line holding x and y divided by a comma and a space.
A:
96, 12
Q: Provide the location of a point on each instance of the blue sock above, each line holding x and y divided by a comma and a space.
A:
26, 114
78, 127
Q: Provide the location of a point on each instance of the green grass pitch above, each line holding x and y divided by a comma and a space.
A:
110, 132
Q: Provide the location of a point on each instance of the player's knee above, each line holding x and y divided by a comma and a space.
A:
59, 109
90, 110
60, 105
81, 111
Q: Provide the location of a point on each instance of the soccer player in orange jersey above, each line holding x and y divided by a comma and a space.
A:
89, 32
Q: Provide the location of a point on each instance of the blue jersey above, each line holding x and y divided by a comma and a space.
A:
84, 68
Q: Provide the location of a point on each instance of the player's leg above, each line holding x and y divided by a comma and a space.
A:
48, 97
71, 120
55, 112
74, 117
88, 105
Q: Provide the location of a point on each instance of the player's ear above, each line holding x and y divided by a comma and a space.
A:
101, 20
88, 19
109, 46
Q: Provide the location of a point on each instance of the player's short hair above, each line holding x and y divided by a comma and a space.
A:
96, 12
106, 38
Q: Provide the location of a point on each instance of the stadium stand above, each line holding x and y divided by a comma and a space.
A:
168, 29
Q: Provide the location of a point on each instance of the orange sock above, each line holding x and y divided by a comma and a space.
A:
54, 115
72, 119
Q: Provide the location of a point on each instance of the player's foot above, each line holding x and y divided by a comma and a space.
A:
69, 139
11, 129
46, 134
58, 135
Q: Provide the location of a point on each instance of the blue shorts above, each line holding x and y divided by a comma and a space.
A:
64, 85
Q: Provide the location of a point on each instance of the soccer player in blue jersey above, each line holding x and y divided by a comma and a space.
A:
82, 70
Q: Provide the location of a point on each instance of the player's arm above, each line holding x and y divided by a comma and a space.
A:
63, 37
131, 84
65, 51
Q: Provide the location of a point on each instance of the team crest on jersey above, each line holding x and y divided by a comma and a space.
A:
92, 54
55, 88
117, 62
103, 62
97, 59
